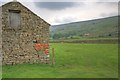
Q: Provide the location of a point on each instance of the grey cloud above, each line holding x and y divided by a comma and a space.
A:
108, 14
110, 4
0, 1
56, 5
65, 20
119, 6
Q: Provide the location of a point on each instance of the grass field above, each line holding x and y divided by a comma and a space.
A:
72, 61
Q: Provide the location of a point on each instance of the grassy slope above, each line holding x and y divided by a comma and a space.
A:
97, 27
72, 60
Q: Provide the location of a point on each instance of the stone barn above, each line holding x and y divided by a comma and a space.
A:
25, 36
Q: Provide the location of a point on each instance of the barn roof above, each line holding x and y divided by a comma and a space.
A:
24, 7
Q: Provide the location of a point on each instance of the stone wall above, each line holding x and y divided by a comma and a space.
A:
0, 39
18, 43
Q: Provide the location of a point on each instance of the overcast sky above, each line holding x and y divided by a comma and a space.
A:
71, 10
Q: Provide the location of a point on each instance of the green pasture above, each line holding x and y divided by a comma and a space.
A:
71, 61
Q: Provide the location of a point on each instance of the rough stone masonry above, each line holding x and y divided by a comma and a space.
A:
25, 36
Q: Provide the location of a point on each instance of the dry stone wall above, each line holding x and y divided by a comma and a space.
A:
18, 44
0, 38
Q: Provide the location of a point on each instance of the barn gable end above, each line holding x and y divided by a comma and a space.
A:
21, 29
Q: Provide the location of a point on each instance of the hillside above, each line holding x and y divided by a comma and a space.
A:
98, 28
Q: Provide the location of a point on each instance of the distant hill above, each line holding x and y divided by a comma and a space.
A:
104, 27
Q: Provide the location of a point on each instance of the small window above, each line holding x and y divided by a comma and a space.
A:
14, 18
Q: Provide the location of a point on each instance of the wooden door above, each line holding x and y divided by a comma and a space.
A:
14, 19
